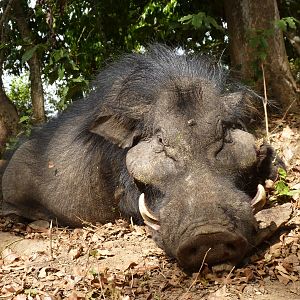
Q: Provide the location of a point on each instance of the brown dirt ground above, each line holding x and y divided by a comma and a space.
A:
120, 261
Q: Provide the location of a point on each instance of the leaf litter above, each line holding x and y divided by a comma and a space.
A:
120, 261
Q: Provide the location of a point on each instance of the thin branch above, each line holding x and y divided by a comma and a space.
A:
198, 274
50, 241
227, 277
265, 103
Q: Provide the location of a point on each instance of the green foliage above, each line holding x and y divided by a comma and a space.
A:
282, 189
200, 20
19, 94
281, 186
287, 23
75, 38
12, 144
258, 41
85, 34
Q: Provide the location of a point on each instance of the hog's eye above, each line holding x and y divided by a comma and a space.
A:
160, 142
161, 138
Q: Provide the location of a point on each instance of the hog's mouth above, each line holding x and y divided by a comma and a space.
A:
225, 248
153, 221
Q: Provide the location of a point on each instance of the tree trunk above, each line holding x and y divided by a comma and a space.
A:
37, 94
245, 17
8, 118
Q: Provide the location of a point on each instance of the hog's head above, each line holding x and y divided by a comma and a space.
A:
192, 167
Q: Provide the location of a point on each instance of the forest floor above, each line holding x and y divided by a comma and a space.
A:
120, 261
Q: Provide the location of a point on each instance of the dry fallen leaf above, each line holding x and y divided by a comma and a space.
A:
11, 288
74, 296
76, 252
287, 133
271, 219
38, 226
20, 297
220, 294
9, 256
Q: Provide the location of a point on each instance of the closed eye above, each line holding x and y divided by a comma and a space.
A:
161, 139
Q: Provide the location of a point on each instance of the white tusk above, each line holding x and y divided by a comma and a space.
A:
147, 216
259, 200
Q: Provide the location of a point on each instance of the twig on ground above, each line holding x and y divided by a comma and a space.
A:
50, 241
100, 282
88, 224
227, 277
202, 264
13, 242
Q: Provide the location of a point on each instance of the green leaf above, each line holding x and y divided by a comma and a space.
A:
282, 173
281, 188
29, 53
61, 72
58, 54
282, 25
186, 19
24, 119
78, 79
198, 20
213, 22
93, 253
291, 22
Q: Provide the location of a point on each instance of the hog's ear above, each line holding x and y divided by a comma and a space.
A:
121, 131
241, 103
233, 100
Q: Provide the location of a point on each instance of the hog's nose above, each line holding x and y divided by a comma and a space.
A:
212, 246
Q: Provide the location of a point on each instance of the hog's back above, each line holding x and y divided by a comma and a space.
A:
57, 175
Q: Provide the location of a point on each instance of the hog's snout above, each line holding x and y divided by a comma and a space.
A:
212, 246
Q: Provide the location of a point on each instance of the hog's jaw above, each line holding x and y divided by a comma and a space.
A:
216, 242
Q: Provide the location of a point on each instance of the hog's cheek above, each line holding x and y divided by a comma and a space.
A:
240, 153
148, 165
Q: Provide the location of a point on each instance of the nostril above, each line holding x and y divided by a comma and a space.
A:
214, 248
